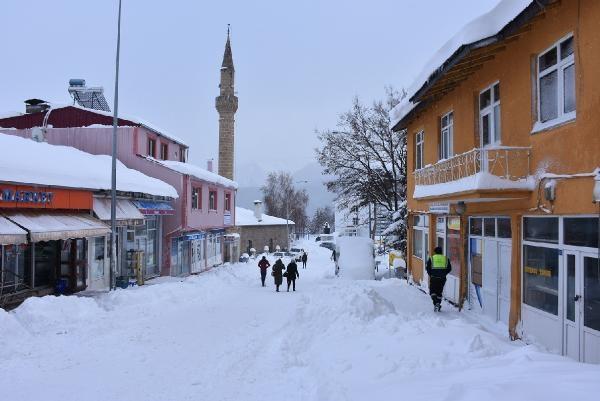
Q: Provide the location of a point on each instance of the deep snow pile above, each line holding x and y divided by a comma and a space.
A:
220, 336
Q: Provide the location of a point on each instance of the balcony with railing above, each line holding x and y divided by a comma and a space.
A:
494, 168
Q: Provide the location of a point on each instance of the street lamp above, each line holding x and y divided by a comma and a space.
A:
113, 190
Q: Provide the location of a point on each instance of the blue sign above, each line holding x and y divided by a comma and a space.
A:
41, 197
195, 236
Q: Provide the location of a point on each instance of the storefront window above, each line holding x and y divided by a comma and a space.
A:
504, 230
46, 256
453, 244
581, 231
475, 227
541, 229
13, 267
540, 278
591, 292
418, 243
489, 225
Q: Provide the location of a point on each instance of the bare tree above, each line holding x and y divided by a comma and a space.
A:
280, 197
367, 157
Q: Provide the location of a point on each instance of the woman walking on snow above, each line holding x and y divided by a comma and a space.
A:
292, 274
277, 273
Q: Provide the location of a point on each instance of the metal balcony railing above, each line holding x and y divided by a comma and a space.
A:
510, 163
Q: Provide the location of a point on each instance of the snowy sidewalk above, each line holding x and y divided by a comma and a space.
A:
220, 336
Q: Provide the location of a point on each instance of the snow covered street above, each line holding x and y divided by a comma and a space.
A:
221, 336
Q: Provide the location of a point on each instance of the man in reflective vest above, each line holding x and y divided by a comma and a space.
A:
438, 266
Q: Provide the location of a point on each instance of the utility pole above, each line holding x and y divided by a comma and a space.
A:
113, 191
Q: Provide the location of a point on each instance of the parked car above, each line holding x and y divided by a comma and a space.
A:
355, 258
244, 258
328, 245
297, 254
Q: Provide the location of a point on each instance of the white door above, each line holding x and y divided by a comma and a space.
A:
489, 287
504, 261
195, 257
581, 306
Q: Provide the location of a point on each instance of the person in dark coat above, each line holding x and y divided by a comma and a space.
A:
277, 273
292, 274
304, 259
438, 266
264, 266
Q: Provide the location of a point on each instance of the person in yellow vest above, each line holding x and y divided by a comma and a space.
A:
438, 267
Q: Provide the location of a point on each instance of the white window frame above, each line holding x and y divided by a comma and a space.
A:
423, 227
489, 111
560, 67
447, 136
419, 149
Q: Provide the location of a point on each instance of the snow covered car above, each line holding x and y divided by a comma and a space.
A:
297, 253
355, 258
244, 258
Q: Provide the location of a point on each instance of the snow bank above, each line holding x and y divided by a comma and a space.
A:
356, 259
29, 162
195, 171
245, 217
479, 181
483, 27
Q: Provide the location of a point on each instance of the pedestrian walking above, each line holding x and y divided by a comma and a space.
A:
277, 273
438, 266
264, 266
291, 274
304, 259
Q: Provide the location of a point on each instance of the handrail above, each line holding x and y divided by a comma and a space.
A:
507, 162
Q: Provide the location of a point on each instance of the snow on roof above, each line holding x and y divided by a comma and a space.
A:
135, 120
29, 162
482, 27
245, 217
193, 170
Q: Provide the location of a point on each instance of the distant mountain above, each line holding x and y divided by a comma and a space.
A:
251, 177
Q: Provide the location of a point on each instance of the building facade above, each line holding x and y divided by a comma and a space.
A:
260, 231
504, 149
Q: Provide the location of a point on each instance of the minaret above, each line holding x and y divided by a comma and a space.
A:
226, 104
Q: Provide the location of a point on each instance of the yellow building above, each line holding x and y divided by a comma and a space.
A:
503, 130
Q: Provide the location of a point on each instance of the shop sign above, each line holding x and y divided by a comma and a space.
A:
34, 197
454, 223
227, 219
439, 208
191, 237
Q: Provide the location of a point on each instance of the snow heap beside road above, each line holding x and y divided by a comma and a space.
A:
29, 162
221, 336
482, 27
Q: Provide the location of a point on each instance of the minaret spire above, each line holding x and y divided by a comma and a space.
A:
226, 104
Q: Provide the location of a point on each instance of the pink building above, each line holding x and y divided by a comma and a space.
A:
194, 236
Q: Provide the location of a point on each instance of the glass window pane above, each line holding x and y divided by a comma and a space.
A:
569, 84
541, 229
450, 118
549, 96
566, 48
417, 220
418, 243
591, 293
485, 129
540, 278
444, 121
497, 92
581, 231
504, 230
548, 59
497, 134
485, 99
475, 226
570, 287
426, 245
489, 225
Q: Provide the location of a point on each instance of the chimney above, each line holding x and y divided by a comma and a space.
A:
209, 165
36, 106
257, 210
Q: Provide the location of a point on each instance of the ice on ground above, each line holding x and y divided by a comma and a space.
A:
221, 336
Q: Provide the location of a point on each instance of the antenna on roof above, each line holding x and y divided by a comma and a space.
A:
90, 98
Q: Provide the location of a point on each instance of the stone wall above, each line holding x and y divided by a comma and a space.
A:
262, 235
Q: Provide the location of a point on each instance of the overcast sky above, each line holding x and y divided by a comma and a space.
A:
298, 64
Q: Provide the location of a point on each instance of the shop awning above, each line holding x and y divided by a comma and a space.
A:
51, 227
11, 234
154, 207
125, 209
